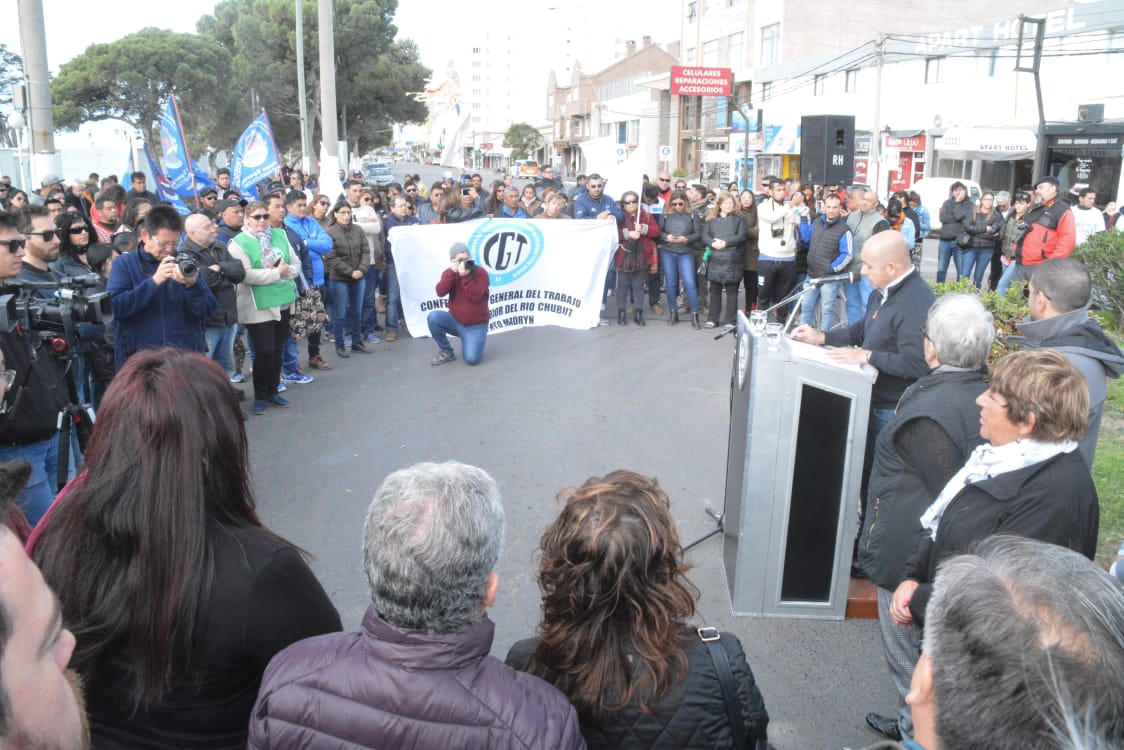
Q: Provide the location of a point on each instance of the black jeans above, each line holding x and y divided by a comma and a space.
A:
268, 339
731, 288
777, 280
631, 281
749, 278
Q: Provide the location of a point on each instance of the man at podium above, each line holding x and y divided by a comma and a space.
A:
888, 337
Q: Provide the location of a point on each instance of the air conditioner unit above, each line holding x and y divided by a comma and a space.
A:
1089, 113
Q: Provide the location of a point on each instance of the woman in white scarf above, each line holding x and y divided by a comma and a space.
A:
1027, 480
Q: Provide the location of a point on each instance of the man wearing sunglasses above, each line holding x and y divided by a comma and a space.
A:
30, 407
38, 227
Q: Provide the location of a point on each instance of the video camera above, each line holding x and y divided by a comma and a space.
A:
72, 304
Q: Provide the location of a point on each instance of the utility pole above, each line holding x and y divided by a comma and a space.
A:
875, 128
328, 121
302, 91
33, 39
1036, 26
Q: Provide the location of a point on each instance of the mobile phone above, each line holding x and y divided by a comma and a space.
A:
466, 191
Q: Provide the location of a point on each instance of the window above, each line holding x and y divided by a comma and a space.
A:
770, 43
852, 81
933, 69
690, 57
710, 52
766, 90
692, 11
476, 50
737, 49
817, 85
721, 112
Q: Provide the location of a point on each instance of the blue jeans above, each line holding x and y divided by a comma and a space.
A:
391, 298
947, 250
824, 296
370, 317
290, 356
977, 258
857, 294
220, 346
37, 496
1007, 277
347, 304
676, 265
442, 323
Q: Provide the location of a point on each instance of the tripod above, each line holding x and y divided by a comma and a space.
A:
720, 526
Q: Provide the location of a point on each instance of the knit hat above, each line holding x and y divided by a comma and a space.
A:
457, 249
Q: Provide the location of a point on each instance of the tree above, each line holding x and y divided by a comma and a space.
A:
374, 72
131, 79
11, 71
522, 139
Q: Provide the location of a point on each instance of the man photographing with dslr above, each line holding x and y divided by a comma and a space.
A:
467, 315
158, 296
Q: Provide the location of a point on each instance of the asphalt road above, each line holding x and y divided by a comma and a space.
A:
548, 408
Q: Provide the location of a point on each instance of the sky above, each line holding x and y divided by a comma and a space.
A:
585, 29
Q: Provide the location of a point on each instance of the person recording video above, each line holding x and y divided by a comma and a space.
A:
34, 389
467, 317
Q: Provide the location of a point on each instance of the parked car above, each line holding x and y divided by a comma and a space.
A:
934, 191
377, 173
524, 169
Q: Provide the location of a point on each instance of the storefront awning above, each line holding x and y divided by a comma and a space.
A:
990, 144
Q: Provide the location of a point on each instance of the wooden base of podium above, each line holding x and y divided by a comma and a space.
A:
862, 600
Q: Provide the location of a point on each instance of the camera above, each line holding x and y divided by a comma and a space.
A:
53, 316
466, 191
187, 264
468, 265
777, 232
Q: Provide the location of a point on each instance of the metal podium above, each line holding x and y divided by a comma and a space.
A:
794, 464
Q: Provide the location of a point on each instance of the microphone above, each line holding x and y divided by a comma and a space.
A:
850, 277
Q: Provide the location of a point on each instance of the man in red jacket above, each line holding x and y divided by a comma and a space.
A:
467, 315
1050, 230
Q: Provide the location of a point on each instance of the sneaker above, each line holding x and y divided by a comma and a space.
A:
359, 348
238, 378
259, 407
391, 336
317, 363
342, 353
280, 387
443, 357
277, 401
378, 327
373, 338
298, 378
709, 324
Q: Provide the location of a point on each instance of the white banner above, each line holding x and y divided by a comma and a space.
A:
541, 272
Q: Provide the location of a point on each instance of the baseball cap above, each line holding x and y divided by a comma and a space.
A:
1047, 178
447, 175
51, 179
1023, 196
207, 191
274, 187
229, 203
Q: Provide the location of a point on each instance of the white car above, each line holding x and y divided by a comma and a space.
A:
934, 191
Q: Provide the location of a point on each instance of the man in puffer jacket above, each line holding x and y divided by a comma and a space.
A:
954, 213
418, 674
1050, 230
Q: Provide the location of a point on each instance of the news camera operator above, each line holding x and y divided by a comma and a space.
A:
158, 299
36, 391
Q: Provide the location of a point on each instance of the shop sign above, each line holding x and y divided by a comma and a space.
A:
990, 141
906, 143
695, 81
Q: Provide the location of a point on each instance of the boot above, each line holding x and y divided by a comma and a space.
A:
695, 321
640, 317
673, 317
622, 318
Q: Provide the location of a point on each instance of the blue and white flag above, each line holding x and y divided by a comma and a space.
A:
255, 157
202, 179
164, 189
131, 166
177, 163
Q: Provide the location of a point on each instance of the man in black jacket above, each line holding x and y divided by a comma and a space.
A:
222, 273
35, 392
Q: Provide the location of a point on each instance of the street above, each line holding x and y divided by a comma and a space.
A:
549, 407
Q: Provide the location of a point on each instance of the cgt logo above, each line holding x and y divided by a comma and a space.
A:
507, 249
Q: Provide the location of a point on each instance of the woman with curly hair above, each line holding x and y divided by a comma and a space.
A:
614, 635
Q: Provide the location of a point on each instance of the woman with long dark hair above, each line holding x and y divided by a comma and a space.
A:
747, 204
76, 235
679, 233
614, 635
176, 593
346, 268
984, 226
635, 257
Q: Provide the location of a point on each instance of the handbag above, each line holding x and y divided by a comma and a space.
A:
633, 259
963, 240
711, 637
308, 316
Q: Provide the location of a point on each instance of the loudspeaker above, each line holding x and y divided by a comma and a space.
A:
1090, 113
827, 149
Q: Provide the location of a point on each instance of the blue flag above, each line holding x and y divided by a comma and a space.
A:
131, 166
202, 179
255, 157
174, 146
164, 189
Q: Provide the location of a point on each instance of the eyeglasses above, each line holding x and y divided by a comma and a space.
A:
678, 203
1027, 291
77, 229
323, 203
47, 235
260, 217
593, 185
170, 245
629, 202
210, 197
411, 190
925, 333
14, 246
664, 179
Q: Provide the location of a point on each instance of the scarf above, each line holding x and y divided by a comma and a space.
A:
986, 462
269, 254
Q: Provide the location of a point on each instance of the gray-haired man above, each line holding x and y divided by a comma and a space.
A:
418, 674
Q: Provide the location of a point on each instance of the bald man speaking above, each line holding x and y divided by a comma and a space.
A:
889, 336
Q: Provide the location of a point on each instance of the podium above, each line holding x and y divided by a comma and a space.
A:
798, 425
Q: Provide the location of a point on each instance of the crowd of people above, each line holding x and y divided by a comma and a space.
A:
979, 513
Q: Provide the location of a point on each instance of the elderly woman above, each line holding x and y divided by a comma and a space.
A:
318, 209
176, 593
615, 634
725, 232
679, 232
1027, 480
347, 269
935, 429
635, 257
265, 297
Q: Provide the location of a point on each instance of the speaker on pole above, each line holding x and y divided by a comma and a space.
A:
827, 149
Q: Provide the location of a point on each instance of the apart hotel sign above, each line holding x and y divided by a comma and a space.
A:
694, 81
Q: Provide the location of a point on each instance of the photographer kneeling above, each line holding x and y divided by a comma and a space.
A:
149, 313
467, 316
33, 391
